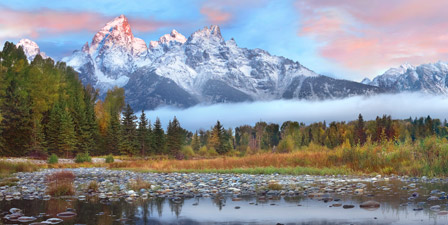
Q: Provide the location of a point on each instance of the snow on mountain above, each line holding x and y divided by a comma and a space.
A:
203, 68
174, 36
111, 56
428, 78
31, 49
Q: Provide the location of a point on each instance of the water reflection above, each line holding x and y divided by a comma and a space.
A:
396, 208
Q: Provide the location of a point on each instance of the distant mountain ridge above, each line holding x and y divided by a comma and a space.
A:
203, 68
429, 78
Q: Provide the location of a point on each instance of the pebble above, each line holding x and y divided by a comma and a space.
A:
370, 204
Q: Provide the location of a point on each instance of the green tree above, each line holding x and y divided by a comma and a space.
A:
112, 138
174, 138
129, 142
360, 132
195, 142
17, 125
144, 134
60, 133
158, 138
218, 139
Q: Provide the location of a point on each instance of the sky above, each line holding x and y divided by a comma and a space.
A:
349, 39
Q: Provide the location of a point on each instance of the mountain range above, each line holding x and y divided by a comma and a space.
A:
205, 69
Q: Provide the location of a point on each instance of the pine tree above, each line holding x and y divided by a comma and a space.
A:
67, 134
37, 146
112, 138
60, 132
195, 142
17, 124
129, 142
218, 139
174, 138
158, 138
144, 134
90, 126
360, 132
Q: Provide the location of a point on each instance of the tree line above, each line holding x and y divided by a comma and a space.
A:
45, 109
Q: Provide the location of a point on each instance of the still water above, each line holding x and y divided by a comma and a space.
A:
397, 207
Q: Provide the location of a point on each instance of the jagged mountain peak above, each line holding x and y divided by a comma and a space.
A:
116, 33
428, 78
117, 22
201, 69
30, 48
85, 47
212, 32
399, 70
174, 36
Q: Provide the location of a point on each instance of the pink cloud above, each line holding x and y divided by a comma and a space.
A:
221, 12
216, 16
17, 24
368, 36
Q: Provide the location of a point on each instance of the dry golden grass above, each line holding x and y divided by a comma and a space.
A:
139, 184
275, 186
61, 183
297, 159
8, 168
93, 186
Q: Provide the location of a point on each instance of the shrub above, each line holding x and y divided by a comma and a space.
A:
286, 145
233, 153
212, 152
138, 184
53, 159
93, 185
275, 186
83, 157
203, 151
187, 152
110, 158
61, 183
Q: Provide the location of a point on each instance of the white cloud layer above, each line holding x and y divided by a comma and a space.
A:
400, 106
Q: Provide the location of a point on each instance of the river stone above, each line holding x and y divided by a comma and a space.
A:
67, 214
370, 204
26, 219
15, 210
348, 206
53, 221
435, 208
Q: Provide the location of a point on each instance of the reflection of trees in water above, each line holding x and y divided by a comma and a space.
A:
293, 199
219, 201
145, 211
176, 206
58, 205
158, 204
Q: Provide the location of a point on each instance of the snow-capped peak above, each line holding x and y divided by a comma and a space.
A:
366, 81
116, 33
167, 38
394, 72
30, 48
207, 32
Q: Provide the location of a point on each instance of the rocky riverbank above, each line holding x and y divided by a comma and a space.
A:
345, 192
115, 184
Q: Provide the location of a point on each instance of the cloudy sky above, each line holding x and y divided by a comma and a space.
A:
348, 39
